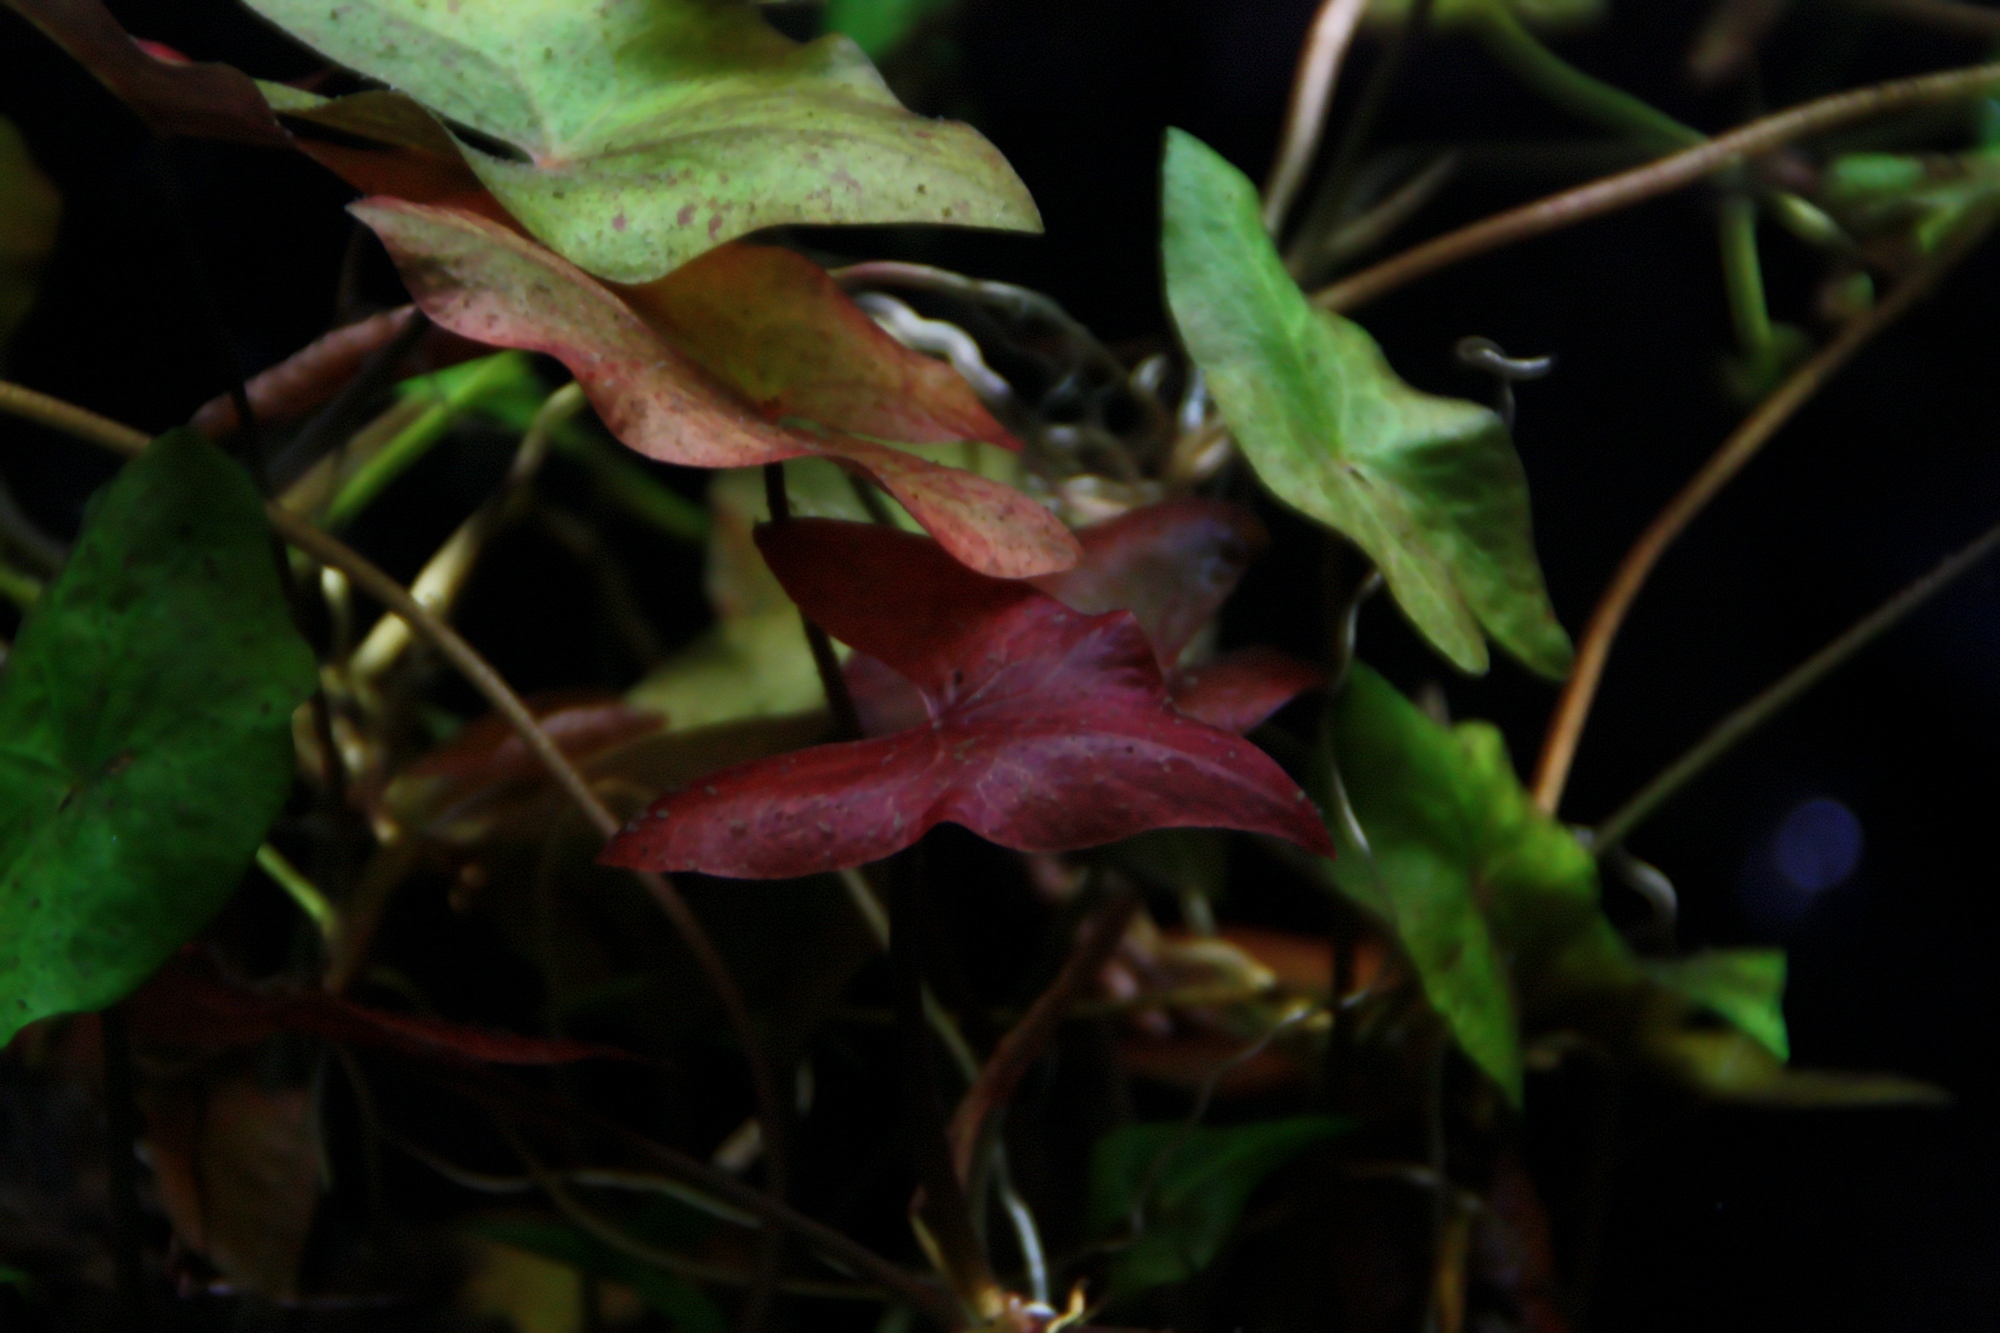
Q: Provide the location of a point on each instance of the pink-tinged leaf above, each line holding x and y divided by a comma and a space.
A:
1172, 565
774, 327
1048, 730
667, 396
171, 94
1238, 691
185, 1006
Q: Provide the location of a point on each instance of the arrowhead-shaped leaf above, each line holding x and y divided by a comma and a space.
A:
1172, 565
1468, 872
1435, 822
1185, 1187
749, 356
145, 732
1429, 487
641, 133
1049, 730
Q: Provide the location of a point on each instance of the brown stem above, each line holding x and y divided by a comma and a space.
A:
1027, 1039
1326, 47
839, 702
1580, 690
1658, 177
492, 1091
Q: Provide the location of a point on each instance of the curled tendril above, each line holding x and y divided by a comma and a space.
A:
1487, 355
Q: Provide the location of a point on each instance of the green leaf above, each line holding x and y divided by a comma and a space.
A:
1745, 986
678, 1299
1431, 821
30, 210
879, 26
1429, 487
145, 732
1928, 195
644, 132
1185, 1188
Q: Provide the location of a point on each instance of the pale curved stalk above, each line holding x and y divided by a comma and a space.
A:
1662, 176
1327, 42
445, 574
1580, 690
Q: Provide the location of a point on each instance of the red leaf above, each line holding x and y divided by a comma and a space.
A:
185, 1007
1172, 565
712, 383
1238, 690
1049, 730
308, 378
173, 95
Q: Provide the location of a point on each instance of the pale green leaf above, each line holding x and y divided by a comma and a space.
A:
1429, 487
640, 133
145, 732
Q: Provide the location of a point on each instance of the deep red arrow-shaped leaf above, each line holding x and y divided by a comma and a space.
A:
1049, 730
1172, 565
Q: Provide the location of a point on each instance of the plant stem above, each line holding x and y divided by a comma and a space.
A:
1743, 275
416, 439
1580, 690
445, 574
1327, 42
1794, 683
940, 1212
1626, 188
1543, 70
1096, 938
302, 891
839, 703
1618, 111
329, 550
121, 1131
17, 587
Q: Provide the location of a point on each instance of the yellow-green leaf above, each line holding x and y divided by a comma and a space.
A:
1429, 487
632, 135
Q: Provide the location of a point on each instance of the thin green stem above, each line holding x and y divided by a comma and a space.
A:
415, 440
1801, 678
624, 483
1743, 275
17, 587
1524, 56
323, 914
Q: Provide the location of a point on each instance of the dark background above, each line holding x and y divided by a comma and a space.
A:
1721, 1219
